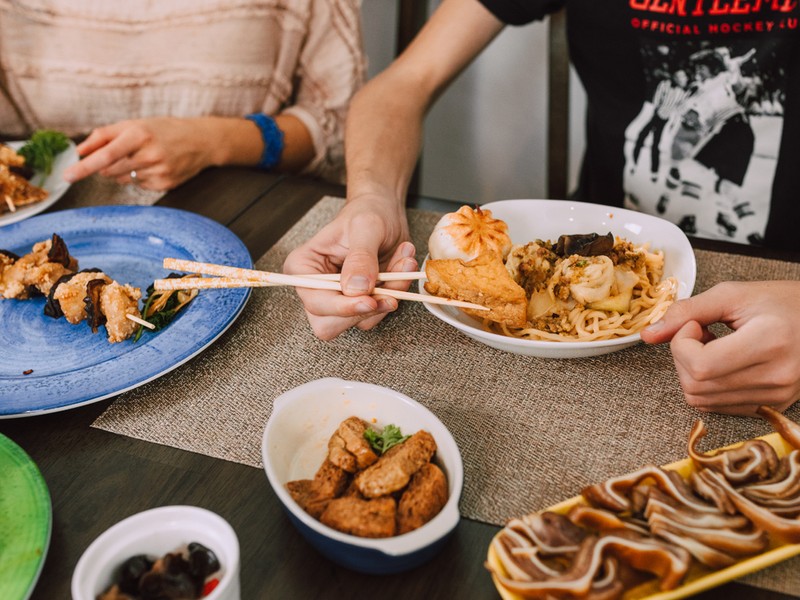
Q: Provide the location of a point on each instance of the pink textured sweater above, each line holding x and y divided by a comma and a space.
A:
74, 65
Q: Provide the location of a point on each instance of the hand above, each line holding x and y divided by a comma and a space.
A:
368, 236
164, 152
759, 363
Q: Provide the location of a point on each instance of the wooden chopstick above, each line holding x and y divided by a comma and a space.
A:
237, 273
231, 277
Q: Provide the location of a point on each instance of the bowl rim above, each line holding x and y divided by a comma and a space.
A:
397, 545
474, 326
177, 512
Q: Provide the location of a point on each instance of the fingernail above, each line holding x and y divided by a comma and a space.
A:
387, 305
657, 326
358, 285
363, 308
407, 250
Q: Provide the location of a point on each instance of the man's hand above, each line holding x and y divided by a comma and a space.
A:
367, 237
759, 363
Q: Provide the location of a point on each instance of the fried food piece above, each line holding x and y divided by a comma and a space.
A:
483, 280
365, 518
16, 191
394, 469
117, 301
313, 495
70, 293
348, 448
425, 496
35, 272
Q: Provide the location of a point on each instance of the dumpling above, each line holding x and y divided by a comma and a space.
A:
590, 277
468, 233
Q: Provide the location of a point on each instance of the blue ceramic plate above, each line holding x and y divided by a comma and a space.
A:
54, 183
67, 365
26, 521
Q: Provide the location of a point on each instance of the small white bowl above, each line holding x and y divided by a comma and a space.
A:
296, 442
154, 533
529, 220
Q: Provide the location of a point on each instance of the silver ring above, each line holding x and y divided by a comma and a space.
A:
134, 176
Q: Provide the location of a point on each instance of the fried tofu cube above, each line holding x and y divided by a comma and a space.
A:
394, 469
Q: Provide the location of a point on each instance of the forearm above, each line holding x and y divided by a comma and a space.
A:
383, 137
238, 141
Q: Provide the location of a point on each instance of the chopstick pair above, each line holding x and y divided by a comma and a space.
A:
234, 277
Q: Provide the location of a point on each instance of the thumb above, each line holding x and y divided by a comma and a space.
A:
360, 266
706, 308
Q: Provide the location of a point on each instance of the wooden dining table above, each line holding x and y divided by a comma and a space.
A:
96, 478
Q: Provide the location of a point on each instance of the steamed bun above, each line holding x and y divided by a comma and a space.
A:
468, 233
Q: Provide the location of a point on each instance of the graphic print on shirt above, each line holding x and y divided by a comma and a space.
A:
703, 149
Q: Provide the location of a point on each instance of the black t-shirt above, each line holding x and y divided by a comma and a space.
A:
693, 110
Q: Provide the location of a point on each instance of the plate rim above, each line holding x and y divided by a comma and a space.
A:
38, 489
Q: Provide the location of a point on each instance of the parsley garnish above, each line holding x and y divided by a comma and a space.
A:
41, 150
381, 442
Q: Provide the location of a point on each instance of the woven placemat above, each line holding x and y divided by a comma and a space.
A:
531, 431
102, 191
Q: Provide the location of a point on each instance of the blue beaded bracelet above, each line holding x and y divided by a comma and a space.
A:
273, 139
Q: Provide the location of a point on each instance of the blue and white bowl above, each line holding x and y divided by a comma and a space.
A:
295, 444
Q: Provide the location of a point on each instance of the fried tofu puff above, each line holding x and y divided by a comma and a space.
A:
36, 272
313, 495
394, 469
365, 518
425, 496
348, 448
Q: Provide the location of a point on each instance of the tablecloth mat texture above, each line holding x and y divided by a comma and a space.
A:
532, 431
96, 190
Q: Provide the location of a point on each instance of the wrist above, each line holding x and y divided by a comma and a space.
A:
272, 138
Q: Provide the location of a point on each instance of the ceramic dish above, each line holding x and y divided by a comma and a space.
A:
26, 522
67, 365
699, 578
296, 442
154, 533
529, 220
54, 183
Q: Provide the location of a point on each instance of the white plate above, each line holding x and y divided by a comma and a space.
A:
53, 183
529, 220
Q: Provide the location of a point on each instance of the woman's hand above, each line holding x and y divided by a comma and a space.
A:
163, 152
368, 236
759, 363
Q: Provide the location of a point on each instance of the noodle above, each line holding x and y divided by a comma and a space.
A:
576, 322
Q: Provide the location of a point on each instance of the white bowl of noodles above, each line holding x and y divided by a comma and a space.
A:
530, 220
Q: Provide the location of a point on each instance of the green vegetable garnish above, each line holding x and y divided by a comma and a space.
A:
41, 150
381, 442
161, 307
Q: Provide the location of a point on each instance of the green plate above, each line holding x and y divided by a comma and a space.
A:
26, 521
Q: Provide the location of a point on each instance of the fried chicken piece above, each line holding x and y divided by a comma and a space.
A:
483, 280
365, 518
313, 495
394, 469
348, 448
425, 496
71, 291
117, 301
36, 271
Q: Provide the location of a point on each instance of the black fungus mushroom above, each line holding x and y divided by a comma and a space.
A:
94, 315
58, 252
584, 244
13, 257
172, 582
131, 571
